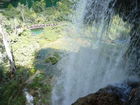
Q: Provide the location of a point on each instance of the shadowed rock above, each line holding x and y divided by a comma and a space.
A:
121, 94
107, 96
134, 98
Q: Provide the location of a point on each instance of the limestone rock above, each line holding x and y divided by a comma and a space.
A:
105, 96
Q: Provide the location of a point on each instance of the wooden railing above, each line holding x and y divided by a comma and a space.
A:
38, 26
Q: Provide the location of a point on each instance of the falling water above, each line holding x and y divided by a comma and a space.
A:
29, 97
101, 62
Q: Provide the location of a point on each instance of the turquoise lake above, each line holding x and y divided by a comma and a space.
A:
37, 31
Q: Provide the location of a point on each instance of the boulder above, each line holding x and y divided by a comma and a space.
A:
121, 94
106, 96
134, 97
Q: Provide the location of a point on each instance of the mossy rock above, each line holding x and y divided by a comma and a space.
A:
53, 59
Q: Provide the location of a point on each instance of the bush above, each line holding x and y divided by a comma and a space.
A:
12, 88
11, 12
39, 6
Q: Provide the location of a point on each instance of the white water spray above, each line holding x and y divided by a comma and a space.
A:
94, 66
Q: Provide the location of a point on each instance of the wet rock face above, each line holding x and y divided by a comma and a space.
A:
106, 96
128, 10
113, 95
100, 99
134, 98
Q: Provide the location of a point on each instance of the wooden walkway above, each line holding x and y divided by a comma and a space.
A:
38, 26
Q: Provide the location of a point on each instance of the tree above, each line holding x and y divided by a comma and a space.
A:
8, 49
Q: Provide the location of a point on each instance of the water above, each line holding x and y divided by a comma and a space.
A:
29, 97
37, 31
99, 64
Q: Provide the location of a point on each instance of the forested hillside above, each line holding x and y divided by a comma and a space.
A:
27, 54
29, 3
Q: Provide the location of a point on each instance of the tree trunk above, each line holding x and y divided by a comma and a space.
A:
8, 49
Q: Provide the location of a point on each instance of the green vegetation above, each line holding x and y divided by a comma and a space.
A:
12, 88
37, 51
53, 59
38, 13
118, 25
30, 3
16, 18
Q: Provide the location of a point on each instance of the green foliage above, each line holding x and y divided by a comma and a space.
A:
29, 3
50, 3
119, 29
40, 88
59, 12
39, 10
50, 34
53, 59
17, 16
64, 9
12, 88
26, 14
11, 12
21, 12
39, 6
53, 33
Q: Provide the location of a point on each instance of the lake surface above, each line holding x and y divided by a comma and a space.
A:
37, 31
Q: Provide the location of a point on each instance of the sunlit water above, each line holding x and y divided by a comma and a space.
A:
98, 64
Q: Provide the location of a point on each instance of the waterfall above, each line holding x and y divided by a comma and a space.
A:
29, 97
98, 64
